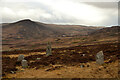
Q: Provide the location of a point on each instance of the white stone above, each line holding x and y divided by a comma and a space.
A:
20, 57
12, 72
38, 58
81, 66
24, 63
83, 54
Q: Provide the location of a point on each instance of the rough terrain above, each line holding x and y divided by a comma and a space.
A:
64, 63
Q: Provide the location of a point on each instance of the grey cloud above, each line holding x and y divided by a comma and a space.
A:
104, 4
57, 17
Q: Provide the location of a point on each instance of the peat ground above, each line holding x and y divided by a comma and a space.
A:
71, 56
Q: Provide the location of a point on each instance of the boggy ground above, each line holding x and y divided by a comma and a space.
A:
64, 63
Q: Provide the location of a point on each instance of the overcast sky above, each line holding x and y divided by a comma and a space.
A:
74, 12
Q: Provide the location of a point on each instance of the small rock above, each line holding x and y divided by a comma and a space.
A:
38, 58
83, 54
82, 66
12, 72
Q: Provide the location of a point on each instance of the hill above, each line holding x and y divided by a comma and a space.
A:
27, 29
27, 34
106, 32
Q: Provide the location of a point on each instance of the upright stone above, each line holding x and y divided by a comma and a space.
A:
24, 63
20, 58
100, 58
49, 49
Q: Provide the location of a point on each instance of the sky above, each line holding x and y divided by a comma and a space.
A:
72, 12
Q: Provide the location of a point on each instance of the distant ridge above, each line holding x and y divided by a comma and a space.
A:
28, 29
106, 32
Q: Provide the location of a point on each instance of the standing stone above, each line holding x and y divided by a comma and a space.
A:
20, 58
49, 49
100, 58
24, 63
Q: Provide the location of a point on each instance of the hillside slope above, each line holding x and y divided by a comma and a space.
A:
106, 32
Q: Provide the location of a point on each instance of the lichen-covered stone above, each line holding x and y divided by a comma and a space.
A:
100, 58
20, 58
24, 63
49, 49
